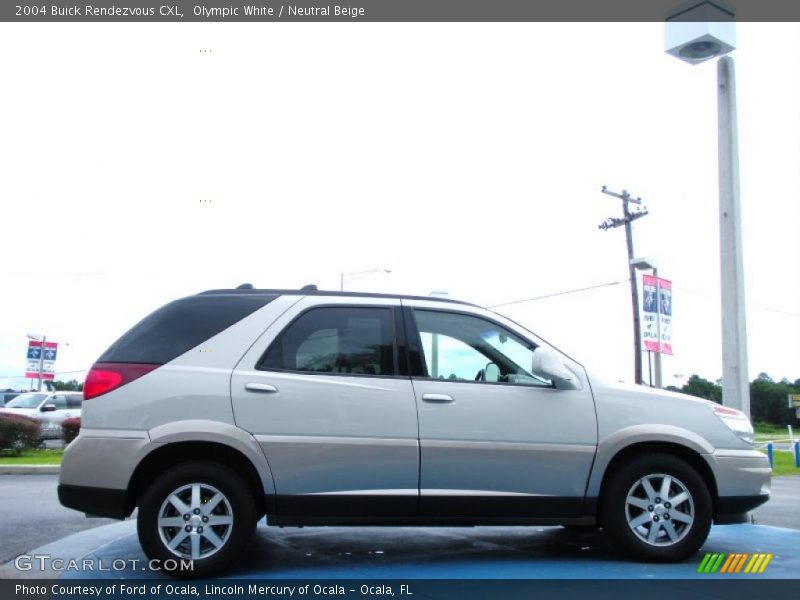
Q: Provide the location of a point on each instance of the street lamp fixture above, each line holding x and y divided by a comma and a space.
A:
695, 32
347, 277
700, 30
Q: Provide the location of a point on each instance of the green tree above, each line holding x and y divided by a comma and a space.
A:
702, 388
64, 386
769, 401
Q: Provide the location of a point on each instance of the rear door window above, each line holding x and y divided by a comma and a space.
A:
336, 340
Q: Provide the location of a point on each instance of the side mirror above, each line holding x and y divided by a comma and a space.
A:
48, 408
491, 373
548, 363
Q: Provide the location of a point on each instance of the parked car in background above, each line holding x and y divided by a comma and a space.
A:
49, 408
335, 408
7, 396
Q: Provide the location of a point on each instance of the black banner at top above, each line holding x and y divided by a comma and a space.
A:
187, 11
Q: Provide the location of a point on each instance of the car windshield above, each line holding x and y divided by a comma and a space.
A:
26, 401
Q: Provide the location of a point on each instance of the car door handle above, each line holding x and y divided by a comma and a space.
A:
263, 388
438, 398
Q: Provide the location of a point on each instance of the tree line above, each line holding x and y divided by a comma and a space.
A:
768, 398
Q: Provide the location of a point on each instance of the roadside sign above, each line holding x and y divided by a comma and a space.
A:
794, 401
657, 308
48, 359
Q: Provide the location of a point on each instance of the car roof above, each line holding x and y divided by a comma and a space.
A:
316, 292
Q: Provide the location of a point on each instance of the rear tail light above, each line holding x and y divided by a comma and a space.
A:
106, 376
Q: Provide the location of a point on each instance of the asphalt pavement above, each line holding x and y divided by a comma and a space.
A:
783, 508
31, 516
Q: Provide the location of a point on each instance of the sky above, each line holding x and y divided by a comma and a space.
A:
144, 162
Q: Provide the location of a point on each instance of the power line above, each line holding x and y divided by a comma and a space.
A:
57, 373
563, 293
707, 294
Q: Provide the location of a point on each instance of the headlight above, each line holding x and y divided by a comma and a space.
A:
737, 421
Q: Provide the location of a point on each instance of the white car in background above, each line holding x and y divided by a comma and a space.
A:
49, 408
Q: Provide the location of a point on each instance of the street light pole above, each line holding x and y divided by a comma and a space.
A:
696, 32
41, 363
735, 386
649, 263
659, 383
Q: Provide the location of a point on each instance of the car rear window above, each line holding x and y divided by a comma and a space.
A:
181, 325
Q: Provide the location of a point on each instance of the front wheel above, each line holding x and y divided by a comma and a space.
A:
656, 508
196, 511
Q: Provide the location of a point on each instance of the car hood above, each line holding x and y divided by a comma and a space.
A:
645, 393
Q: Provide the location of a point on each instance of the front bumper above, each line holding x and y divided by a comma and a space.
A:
743, 480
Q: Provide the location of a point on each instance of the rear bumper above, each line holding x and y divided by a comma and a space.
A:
101, 502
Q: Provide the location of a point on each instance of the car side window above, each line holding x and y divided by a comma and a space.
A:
341, 340
461, 347
74, 401
60, 402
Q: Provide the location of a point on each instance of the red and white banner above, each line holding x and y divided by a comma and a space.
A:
657, 314
46, 357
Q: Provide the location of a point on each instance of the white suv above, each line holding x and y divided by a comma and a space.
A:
328, 408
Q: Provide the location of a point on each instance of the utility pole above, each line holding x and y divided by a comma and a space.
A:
627, 218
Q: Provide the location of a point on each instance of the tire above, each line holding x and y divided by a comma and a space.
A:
220, 534
639, 522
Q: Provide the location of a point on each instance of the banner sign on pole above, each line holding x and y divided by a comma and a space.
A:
657, 308
48, 360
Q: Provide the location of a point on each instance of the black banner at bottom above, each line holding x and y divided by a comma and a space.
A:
410, 589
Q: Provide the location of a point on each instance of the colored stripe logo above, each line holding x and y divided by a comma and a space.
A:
734, 563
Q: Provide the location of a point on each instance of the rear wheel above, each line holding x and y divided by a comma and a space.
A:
197, 511
656, 508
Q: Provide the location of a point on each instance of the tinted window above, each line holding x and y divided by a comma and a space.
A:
181, 325
349, 340
74, 401
463, 347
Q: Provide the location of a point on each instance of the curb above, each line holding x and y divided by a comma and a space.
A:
30, 469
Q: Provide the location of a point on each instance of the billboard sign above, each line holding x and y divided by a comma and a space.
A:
46, 355
657, 314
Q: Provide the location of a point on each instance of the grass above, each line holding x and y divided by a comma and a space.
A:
766, 432
33, 457
770, 429
783, 463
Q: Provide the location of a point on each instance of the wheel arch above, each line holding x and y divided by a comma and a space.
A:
689, 455
170, 454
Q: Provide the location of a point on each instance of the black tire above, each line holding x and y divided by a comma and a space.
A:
615, 512
237, 505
